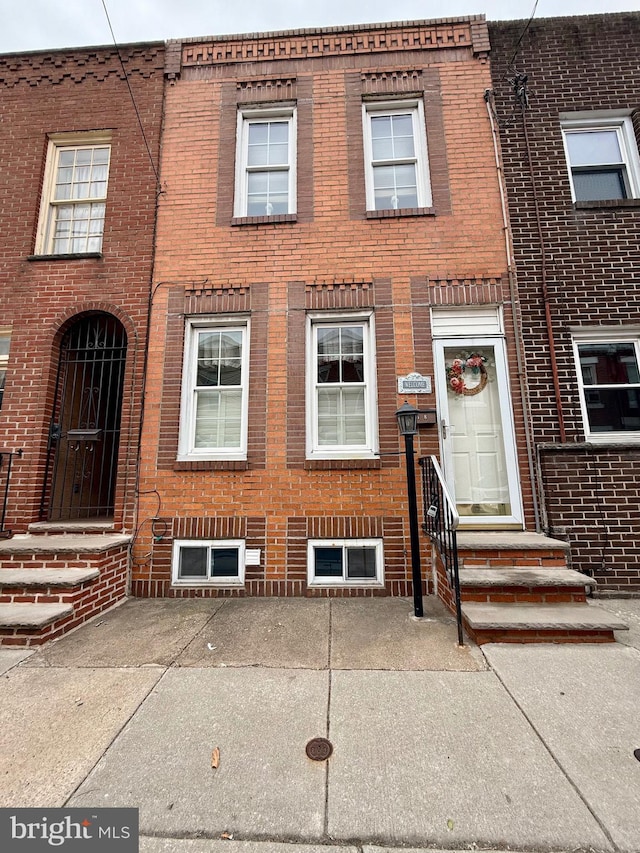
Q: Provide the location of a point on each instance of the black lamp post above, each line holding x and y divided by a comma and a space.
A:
408, 423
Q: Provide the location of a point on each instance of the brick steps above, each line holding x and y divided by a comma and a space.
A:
50, 584
516, 588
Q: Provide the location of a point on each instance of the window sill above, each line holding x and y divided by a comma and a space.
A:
210, 465
607, 203
264, 220
218, 584
398, 214
339, 583
591, 445
341, 464
72, 256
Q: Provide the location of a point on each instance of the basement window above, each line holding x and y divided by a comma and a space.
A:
345, 562
213, 562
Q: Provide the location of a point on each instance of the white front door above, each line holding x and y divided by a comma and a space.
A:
476, 430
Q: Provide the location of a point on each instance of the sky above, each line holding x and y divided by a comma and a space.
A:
44, 24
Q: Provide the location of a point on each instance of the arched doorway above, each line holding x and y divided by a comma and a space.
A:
85, 428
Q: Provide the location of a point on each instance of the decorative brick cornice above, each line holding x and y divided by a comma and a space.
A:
266, 90
338, 41
78, 65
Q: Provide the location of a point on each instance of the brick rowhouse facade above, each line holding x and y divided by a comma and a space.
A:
277, 276
70, 104
581, 259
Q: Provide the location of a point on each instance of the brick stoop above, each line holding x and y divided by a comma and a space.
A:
515, 587
51, 584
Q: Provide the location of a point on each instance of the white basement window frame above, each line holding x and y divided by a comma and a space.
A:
208, 562
345, 563
74, 194
215, 389
266, 145
396, 158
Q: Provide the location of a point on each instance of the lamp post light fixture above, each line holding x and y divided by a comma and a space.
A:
407, 417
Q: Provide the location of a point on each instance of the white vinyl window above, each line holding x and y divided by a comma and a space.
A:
602, 156
73, 208
341, 388
5, 340
207, 562
609, 380
213, 422
345, 562
266, 162
396, 163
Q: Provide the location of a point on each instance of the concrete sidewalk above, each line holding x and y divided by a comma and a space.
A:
508, 747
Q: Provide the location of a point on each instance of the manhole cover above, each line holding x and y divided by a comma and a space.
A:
319, 749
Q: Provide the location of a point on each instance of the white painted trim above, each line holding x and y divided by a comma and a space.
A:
186, 442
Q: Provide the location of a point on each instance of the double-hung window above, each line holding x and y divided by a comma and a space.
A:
215, 391
72, 214
266, 162
341, 388
208, 562
396, 164
602, 156
609, 379
5, 339
345, 562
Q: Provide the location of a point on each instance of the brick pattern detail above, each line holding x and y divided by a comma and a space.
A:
345, 40
88, 599
392, 81
573, 64
254, 91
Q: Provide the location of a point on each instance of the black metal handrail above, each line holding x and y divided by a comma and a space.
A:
6, 461
440, 524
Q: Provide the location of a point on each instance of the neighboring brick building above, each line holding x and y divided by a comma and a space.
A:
570, 151
330, 221
77, 212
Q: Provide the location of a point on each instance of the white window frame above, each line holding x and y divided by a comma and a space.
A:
247, 116
623, 127
617, 335
369, 448
5, 335
46, 221
344, 581
415, 107
209, 581
186, 444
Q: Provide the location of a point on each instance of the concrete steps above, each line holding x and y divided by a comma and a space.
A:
516, 588
51, 583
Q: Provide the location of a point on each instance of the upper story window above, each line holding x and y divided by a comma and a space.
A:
74, 195
341, 388
603, 158
213, 421
609, 379
396, 164
5, 339
266, 162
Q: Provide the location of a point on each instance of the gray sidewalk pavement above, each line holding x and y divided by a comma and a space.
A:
505, 747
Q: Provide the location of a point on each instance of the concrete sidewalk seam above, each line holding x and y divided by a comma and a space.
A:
556, 761
119, 732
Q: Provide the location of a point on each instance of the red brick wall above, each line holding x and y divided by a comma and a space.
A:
592, 266
331, 255
46, 93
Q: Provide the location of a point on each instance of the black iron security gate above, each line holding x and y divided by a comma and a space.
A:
85, 428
